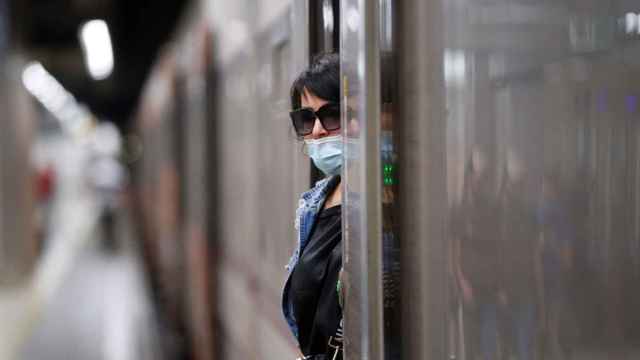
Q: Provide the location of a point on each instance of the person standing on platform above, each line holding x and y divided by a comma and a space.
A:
310, 301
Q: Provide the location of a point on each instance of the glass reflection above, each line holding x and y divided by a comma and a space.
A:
543, 179
476, 265
355, 261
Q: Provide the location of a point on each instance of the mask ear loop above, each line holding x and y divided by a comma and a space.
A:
305, 149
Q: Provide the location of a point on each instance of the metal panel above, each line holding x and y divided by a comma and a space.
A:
362, 178
260, 171
422, 178
518, 179
300, 35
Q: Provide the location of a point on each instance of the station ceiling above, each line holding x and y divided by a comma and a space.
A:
48, 32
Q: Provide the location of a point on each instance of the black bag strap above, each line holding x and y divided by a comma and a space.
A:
336, 343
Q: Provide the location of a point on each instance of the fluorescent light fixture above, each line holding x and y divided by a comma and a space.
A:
73, 117
96, 44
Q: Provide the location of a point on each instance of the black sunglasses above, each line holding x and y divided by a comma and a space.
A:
304, 119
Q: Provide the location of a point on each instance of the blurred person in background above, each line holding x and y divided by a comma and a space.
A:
107, 177
558, 235
520, 246
311, 300
45, 185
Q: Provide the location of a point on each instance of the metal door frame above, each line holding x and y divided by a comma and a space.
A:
362, 219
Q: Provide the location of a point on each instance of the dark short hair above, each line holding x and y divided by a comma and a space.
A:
321, 78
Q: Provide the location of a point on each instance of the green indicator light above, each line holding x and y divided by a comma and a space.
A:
388, 174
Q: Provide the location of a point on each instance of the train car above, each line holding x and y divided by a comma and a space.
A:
490, 179
157, 184
218, 270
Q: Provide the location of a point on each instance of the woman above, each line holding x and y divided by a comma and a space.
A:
310, 300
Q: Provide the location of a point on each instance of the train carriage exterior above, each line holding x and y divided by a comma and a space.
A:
491, 175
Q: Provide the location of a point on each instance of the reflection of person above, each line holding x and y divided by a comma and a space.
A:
310, 301
520, 246
476, 259
557, 263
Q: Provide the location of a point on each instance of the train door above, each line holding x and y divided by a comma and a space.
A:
514, 176
371, 237
259, 170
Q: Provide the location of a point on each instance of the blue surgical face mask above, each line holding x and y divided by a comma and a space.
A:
326, 153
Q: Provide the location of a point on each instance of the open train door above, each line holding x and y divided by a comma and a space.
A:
371, 241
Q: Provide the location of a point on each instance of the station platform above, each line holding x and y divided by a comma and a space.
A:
98, 307
86, 298
101, 310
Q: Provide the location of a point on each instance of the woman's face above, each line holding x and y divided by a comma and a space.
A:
310, 100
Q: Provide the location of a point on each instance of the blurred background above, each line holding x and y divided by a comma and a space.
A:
109, 179
76, 279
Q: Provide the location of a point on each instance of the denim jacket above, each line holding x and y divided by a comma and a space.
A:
309, 206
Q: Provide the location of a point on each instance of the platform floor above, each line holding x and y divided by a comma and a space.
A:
98, 308
101, 311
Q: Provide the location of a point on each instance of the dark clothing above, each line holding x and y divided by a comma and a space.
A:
519, 245
480, 242
313, 284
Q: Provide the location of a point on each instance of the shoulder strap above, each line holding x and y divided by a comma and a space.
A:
336, 342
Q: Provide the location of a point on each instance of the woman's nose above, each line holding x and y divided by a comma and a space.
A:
318, 130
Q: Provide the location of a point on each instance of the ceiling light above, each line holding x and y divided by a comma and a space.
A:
98, 52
